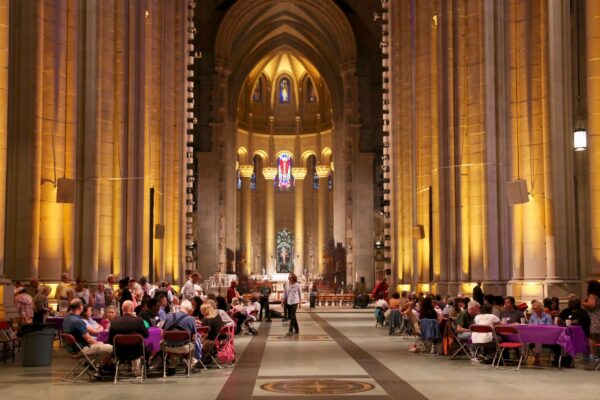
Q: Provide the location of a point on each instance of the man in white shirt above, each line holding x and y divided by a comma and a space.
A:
189, 290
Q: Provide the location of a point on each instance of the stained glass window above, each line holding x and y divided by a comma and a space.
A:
257, 94
253, 177
311, 93
284, 172
284, 91
330, 181
315, 181
239, 180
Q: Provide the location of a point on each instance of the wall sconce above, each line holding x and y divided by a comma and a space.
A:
580, 140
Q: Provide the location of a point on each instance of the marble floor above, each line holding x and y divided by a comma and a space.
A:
337, 354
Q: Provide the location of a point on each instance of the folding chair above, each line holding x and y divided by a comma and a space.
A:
478, 346
430, 332
463, 346
182, 346
248, 326
223, 344
123, 355
83, 362
10, 342
505, 330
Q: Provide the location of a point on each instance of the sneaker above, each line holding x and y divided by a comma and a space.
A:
289, 333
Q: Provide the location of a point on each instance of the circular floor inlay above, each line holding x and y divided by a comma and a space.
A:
317, 386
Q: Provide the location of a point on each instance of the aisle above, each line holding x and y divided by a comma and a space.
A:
321, 361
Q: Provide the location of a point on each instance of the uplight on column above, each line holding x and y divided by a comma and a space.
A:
580, 140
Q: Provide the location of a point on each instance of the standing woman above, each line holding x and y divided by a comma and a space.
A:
293, 298
592, 305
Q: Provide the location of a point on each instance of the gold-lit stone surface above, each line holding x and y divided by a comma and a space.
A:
317, 386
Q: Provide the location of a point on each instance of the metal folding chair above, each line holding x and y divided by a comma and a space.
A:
504, 331
83, 362
122, 356
183, 346
478, 346
9, 341
463, 346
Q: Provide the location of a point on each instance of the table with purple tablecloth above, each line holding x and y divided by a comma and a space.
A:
152, 342
570, 338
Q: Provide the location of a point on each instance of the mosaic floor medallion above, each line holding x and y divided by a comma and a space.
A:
317, 386
309, 338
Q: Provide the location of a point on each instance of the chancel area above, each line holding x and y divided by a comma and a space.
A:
252, 199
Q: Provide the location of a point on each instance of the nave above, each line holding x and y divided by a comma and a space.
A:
336, 354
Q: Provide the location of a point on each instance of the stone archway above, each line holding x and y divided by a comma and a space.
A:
320, 32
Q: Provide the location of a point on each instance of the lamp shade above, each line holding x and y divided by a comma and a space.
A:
580, 140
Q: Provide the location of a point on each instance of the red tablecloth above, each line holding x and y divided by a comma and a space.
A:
152, 342
571, 339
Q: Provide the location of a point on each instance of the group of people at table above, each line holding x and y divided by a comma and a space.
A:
493, 310
137, 307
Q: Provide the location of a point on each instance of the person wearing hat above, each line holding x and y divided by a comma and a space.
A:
265, 293
24, 305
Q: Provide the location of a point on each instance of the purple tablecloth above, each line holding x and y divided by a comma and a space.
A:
571, 339
152, 342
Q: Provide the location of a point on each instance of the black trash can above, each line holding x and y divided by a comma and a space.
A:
36, 344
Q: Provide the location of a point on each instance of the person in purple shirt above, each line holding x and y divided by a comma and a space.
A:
539, 317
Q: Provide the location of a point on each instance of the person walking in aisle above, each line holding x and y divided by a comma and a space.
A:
292, 297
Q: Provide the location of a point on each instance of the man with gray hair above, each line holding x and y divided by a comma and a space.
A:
466, 319
183, 321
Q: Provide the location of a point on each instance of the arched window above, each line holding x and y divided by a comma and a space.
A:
257, 93
284, 91
311, 93
239, 180
283, 180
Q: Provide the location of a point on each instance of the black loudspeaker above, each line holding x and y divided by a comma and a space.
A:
516, 192
65, 190
159, 231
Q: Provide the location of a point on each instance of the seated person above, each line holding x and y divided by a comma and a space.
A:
74, 325
237, 315
466, 319
214, 323
485, 317
163, 305
253, 307
576, 314
150, 313
183, 321
226, 318
510, 311
381, 307
450, 310
196, 304
128, 324
93, 327
539, 317
110, 313
395, 301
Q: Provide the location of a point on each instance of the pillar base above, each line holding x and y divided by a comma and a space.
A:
7, 308
528, 290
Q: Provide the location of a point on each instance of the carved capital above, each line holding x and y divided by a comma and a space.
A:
323, 171
299, 172
269, 172
246, 170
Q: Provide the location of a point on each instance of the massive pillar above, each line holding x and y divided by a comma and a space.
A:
269, 174
592, 13
246, 218
323, 218
299, 175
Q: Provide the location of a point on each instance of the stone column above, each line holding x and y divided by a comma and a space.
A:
269, 174
323, 218
299, 174
592, 12
6, 291
246, 218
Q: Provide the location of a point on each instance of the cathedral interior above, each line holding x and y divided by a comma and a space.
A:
431, 143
